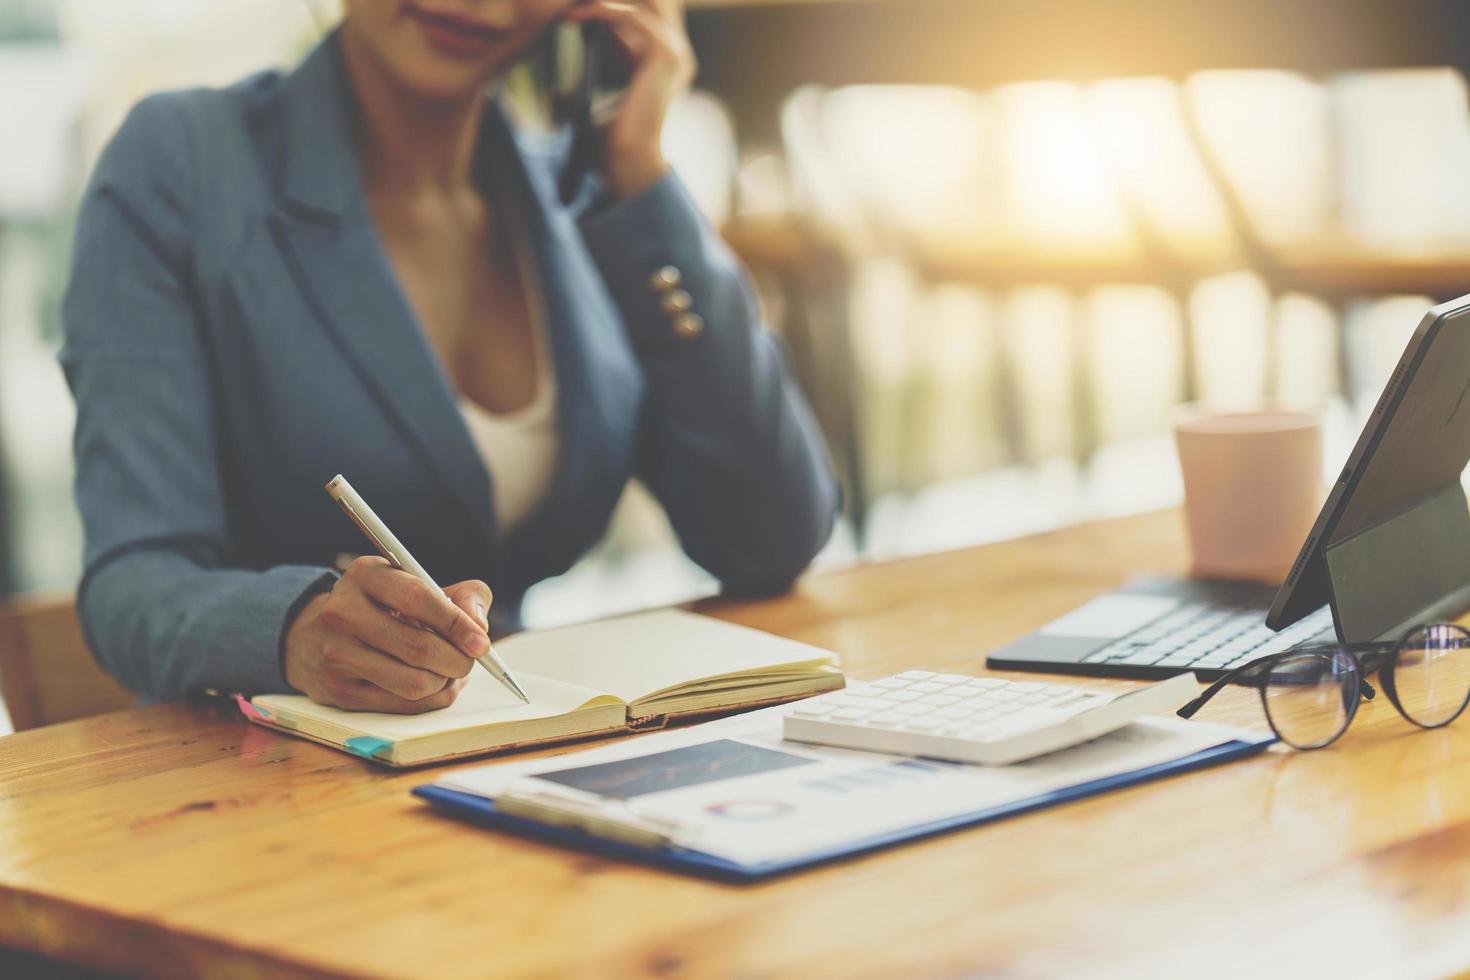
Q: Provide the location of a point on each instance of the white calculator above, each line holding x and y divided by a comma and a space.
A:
982, 720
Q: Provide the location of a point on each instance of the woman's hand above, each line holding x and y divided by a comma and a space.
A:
359, 646
652, 32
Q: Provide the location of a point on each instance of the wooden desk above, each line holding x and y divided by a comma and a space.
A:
179, 840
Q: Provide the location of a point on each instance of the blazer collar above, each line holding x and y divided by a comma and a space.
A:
333, 250
599, 382
321, 169
327, 231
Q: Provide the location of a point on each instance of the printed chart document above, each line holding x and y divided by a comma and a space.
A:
734, 790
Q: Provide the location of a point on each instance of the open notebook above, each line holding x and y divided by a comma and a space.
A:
624, 674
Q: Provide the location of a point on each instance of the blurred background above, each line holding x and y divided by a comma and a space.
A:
1004, 239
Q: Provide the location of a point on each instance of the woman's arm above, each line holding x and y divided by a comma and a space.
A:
728, 446
159, 610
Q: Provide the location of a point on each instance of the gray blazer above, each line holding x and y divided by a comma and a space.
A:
235, 336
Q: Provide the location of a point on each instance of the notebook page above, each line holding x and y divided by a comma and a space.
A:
484, 701
635, 656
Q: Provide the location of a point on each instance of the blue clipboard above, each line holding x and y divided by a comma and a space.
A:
482, 811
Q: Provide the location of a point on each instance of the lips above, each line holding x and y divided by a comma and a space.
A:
454, 35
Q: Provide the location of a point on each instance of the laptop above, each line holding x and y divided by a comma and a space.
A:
1389, 550
1156, 627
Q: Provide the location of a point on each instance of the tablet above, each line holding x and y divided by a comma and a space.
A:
1391, 546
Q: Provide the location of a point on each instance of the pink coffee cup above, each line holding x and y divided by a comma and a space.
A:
1252, 488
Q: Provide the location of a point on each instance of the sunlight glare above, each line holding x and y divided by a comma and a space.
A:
1139, 124
1059, 196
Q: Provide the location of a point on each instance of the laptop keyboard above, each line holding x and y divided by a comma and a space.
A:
1206, 636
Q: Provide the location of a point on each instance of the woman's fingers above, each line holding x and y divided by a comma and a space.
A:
648, 33
360, 695
670, 10
474, 597
404, 594
400, 638
349, 661
663, 61
359, 646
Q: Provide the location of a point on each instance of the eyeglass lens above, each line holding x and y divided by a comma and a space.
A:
1310, 697
1431, 674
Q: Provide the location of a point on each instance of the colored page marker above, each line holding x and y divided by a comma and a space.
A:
251, 711
366, 746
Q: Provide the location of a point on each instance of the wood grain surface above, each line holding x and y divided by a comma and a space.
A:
178, 840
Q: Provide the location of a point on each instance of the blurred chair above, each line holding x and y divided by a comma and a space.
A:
47, 674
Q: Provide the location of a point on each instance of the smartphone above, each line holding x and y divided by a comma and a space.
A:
574, 76
572, 72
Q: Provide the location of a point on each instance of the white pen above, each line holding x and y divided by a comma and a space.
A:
392, 549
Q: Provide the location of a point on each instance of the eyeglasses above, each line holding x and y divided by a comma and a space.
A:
1311, 693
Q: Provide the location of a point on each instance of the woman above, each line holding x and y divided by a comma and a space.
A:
362, 267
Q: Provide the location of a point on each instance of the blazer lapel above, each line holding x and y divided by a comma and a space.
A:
599, 382
334, 252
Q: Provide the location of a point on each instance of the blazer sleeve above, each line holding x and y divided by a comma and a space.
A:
728, 444
160, 609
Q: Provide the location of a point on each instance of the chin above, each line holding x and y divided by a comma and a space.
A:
437, 64
434, 80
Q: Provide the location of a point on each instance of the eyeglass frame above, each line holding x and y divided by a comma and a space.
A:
1358, 652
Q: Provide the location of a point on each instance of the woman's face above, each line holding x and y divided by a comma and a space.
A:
448, 49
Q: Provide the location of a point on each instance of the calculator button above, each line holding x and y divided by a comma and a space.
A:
927, 688
813, 710
939, 700
1006, 695
901, 696
891, 682
989, 682
923, 725
1025, 687
951, 678
917, 675
888, 719
850, 714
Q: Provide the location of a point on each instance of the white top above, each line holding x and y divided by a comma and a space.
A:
520, 448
